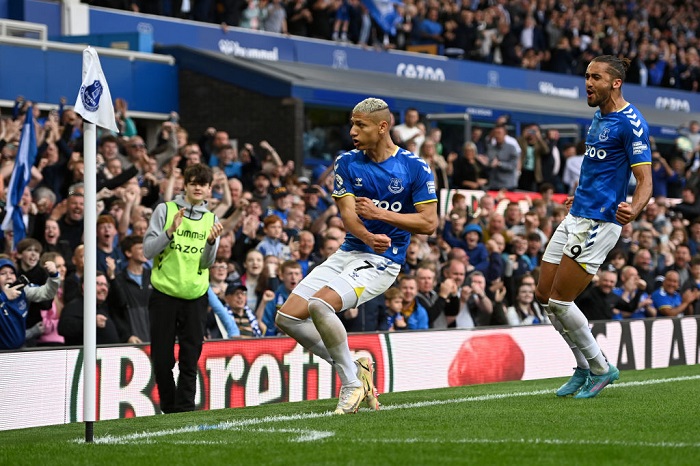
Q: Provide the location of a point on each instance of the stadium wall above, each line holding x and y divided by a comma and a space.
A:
45, 387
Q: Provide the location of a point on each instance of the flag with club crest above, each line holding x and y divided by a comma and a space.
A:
94, 102
21, 174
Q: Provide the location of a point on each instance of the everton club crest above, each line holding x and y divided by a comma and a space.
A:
395, 185
90, 96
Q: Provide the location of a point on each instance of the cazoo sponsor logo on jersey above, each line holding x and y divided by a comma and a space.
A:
394, 206
592, 152
409, 70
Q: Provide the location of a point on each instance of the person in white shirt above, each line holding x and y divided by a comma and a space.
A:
411, 130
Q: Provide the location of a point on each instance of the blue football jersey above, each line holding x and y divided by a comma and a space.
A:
615, 143
397, 184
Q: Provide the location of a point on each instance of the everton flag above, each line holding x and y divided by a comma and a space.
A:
383, 13
21, 173
94, 101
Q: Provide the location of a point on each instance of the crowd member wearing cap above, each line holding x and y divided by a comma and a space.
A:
14, 298
282, 199
220, 323
244, 317
315, 208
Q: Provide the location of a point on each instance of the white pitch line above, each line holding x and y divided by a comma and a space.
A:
237, 424
500, 396
304, 435
614, 443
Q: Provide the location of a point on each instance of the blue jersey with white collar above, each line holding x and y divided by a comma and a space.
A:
615, 143
399, 183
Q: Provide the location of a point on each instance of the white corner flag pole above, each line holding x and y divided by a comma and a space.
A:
90, 278
94, 104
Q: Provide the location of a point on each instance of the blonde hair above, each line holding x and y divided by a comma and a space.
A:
370, 105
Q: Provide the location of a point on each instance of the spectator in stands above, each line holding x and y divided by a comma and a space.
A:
524, 311
15, 296
681, 263
428, 31
282, 203
273, 242
433, 300
694, 237
51, 240
662, 174
690, 204
693, 284
106, 248
454, 231
411, 315
475, 249
257, 278
298, 18
129, 294
534, 152
469, 173
502, 162
70, 325
497, 225
50, 317
669, 302
437, 163
475, 307
513, 215
633, 291
290, 273
410, 130
305, 254
274, 17
69, 214
598, 302
573, 158
245, 318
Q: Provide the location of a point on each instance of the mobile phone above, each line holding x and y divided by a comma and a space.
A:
22, 280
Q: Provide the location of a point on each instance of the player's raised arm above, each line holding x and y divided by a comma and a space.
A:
424, 221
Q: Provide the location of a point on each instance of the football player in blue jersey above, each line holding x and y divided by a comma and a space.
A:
617, 144
384, 194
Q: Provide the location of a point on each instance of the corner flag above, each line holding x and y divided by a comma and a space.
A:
94, 102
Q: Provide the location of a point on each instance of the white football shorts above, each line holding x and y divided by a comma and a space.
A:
586, 241
356, 276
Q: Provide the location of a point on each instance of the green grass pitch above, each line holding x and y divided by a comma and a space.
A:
648, 417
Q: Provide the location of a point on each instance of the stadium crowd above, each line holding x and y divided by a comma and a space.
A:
562, 36
479, 268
